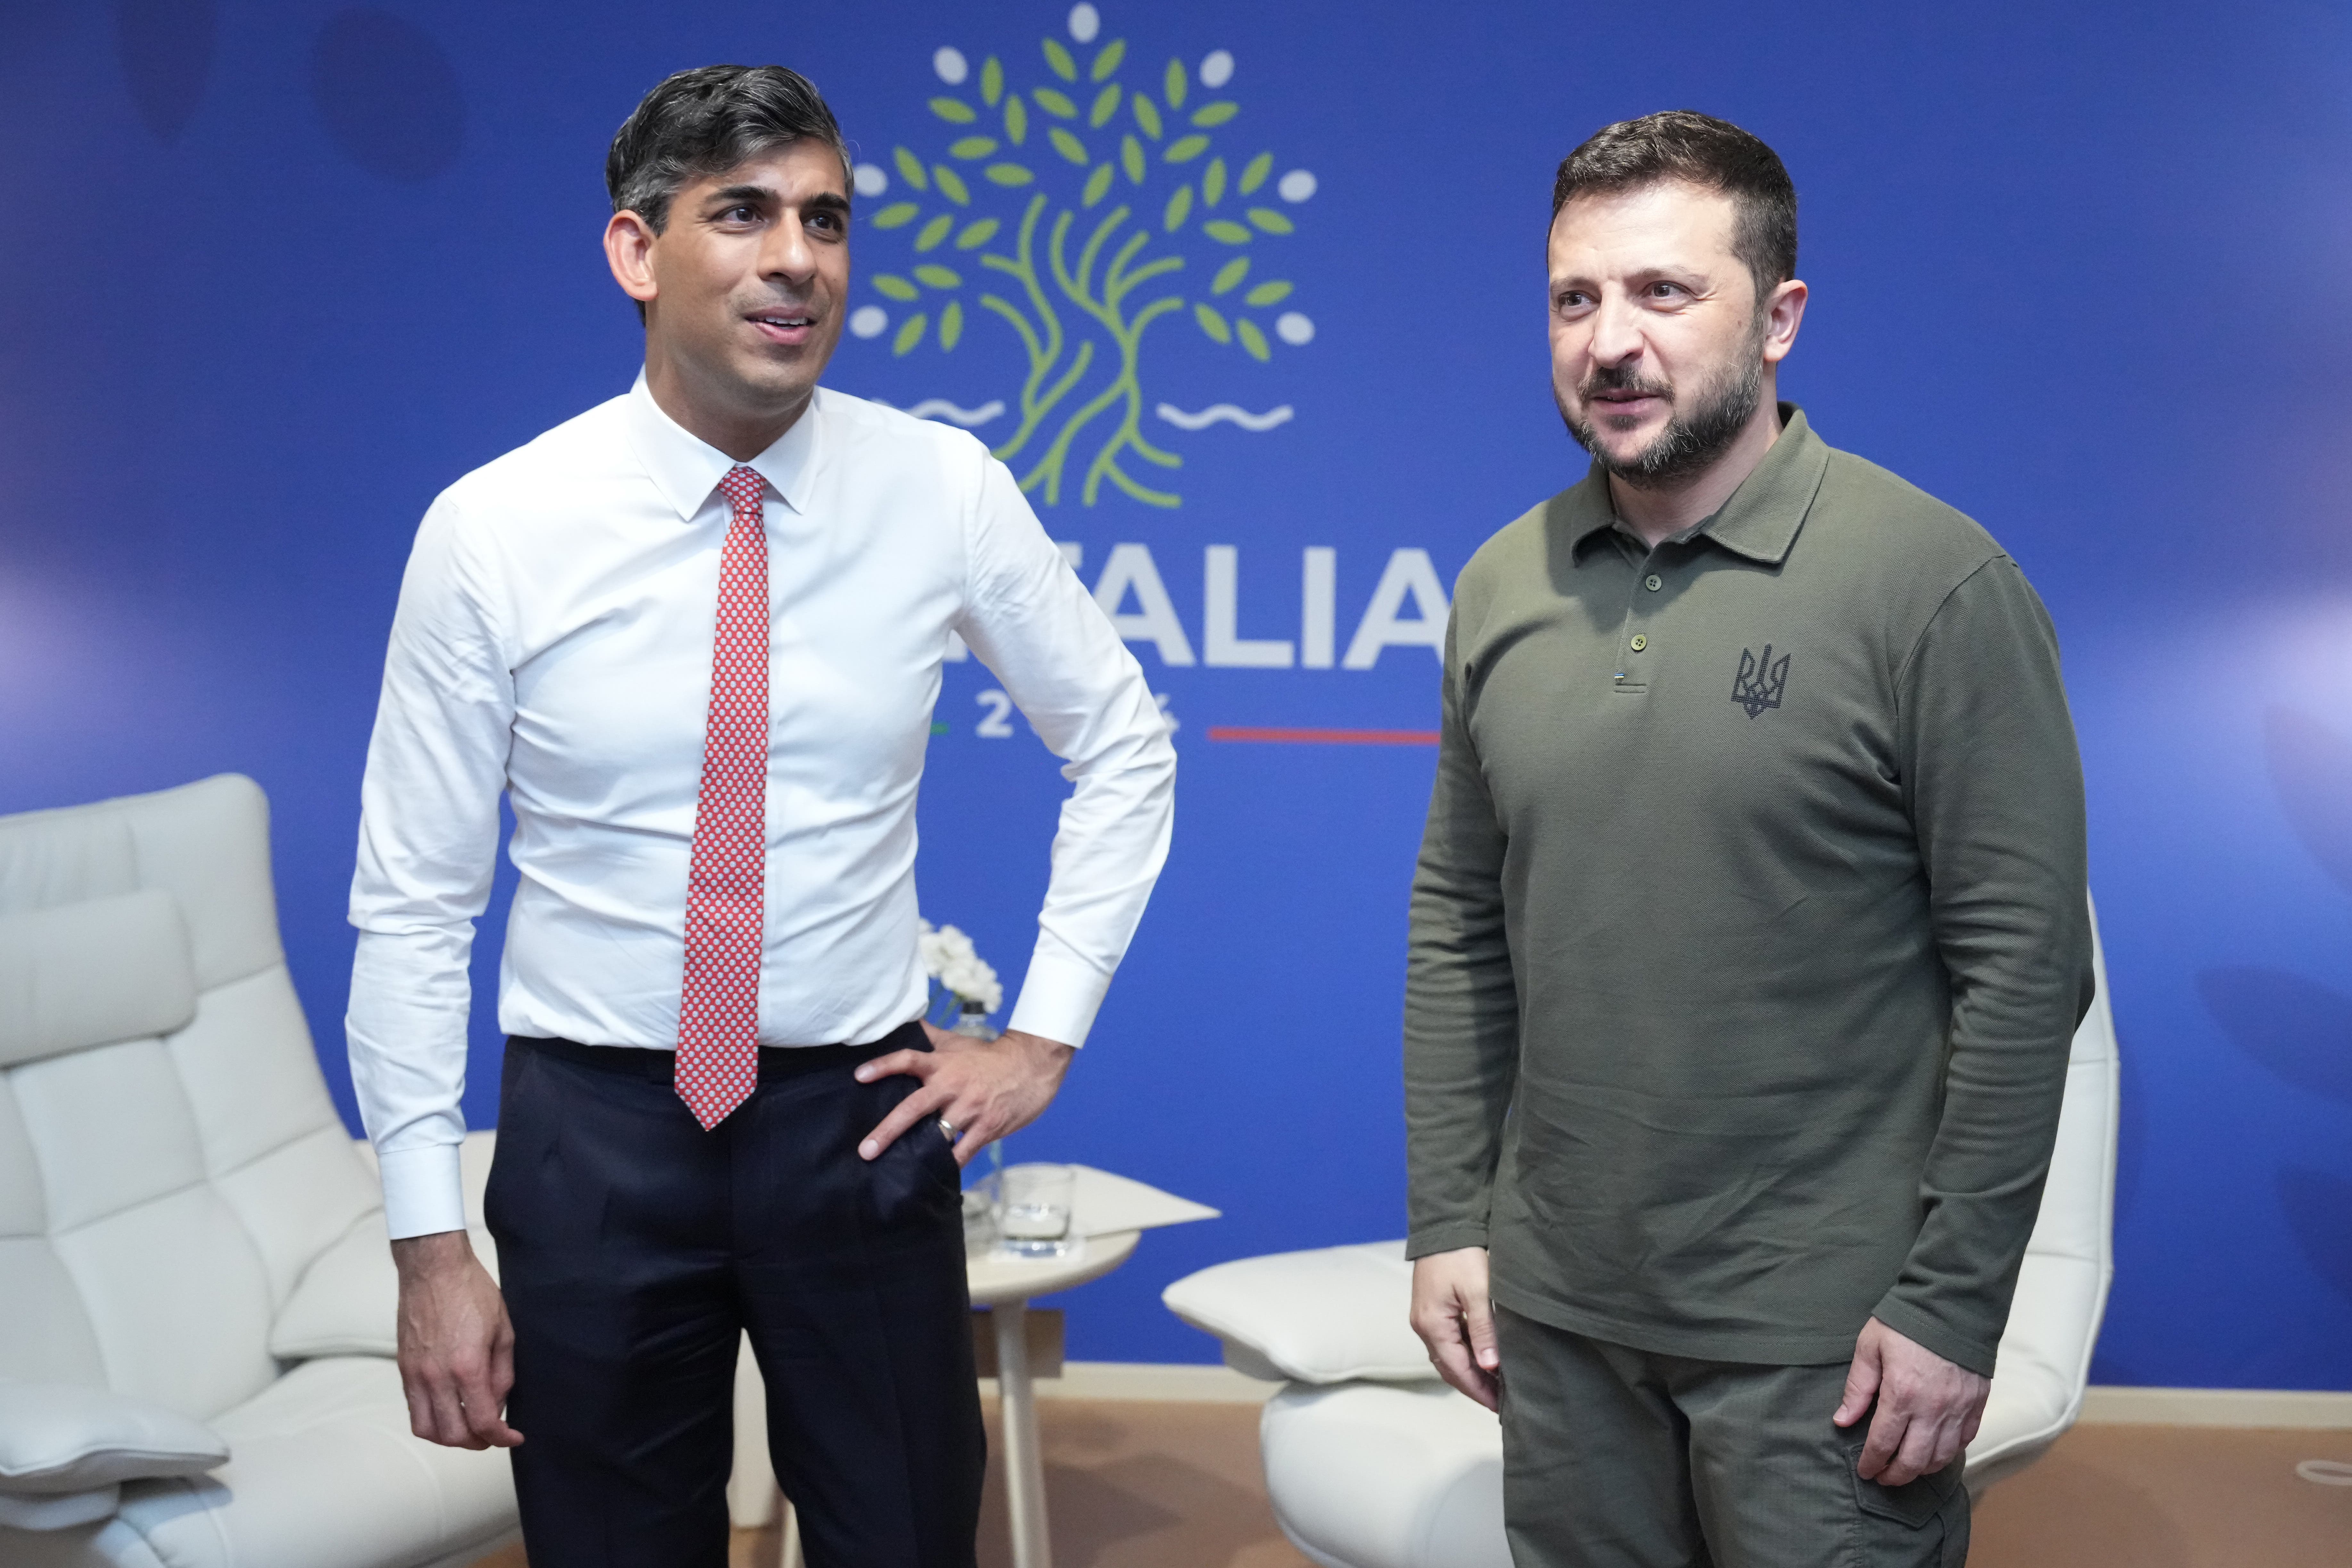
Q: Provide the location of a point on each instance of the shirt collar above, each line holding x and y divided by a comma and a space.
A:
685, 469
1762, 518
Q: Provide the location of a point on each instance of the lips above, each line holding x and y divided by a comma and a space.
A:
1621, 404
789, 328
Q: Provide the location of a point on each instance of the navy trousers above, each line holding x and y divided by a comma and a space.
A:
635, 1249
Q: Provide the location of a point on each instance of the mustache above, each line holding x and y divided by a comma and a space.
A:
1623, 378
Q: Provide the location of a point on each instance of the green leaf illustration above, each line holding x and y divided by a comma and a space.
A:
1077, 269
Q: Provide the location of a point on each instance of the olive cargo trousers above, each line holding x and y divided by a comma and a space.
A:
1615, 1458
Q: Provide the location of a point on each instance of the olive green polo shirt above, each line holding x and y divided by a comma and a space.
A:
1750, 933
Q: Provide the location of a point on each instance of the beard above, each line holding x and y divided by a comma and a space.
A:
1693, 438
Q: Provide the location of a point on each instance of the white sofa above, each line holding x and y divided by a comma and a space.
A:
195, 1296
1371, 1462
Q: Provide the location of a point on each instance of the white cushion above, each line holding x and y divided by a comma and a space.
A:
326, 1472
348, 1302
1324, 1316
57, 1510
64, 1437
93, 971
1373, 1475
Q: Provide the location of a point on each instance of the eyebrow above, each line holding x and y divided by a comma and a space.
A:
766, 196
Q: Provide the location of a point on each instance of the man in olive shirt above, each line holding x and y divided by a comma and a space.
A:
1750, 930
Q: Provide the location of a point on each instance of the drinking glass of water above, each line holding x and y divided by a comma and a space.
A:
1033, 1214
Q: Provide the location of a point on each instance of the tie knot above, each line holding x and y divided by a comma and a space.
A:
742, 486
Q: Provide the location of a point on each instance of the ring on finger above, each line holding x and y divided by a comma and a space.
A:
948, 1129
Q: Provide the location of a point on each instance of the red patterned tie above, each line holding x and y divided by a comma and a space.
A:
718, 1009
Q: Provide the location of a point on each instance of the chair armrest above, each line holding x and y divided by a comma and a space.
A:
66, 1449
1332, 1315
57, 1511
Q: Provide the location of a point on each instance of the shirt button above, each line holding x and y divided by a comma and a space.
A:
1640, 642
1653, 581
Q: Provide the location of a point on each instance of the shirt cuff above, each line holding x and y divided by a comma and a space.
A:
1059, 998
424, 1190
1449, 1236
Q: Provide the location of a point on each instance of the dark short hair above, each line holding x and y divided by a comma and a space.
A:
710, 118
1683, 145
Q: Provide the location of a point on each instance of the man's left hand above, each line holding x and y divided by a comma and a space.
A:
982, 1089
1929, 1408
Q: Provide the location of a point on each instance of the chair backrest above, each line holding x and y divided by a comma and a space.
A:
2061, 1290
170, 1163
2078, 1200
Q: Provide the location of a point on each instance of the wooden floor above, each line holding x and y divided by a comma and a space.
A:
1177, 1486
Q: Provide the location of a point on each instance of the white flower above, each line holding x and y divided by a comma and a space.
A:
948, 957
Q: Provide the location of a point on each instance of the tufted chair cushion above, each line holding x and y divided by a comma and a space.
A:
170, 1163
183, 1218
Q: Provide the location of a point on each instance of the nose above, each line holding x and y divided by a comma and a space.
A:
787, 255
1616, 331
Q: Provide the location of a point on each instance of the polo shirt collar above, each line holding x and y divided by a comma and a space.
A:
1762, 518
685, 469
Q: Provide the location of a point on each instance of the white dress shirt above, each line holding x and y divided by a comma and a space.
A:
553, 642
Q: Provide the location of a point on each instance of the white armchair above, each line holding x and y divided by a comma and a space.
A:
196, 1298
1372, 1463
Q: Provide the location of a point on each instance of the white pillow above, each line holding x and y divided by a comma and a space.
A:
66, 1438
1325, 1315
346, 1303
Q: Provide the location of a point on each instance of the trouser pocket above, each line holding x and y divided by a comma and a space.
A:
1923, 1523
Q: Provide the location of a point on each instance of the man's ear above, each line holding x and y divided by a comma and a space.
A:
1783, 313
629, 249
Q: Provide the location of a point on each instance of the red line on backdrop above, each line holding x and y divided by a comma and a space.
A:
1325, 737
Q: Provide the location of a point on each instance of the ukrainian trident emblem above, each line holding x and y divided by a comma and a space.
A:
1761, 681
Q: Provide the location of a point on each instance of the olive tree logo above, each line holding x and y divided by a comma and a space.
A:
1058, 208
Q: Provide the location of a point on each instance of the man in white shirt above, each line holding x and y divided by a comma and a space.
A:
694, 637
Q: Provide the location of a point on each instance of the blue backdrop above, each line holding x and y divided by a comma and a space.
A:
278, 270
